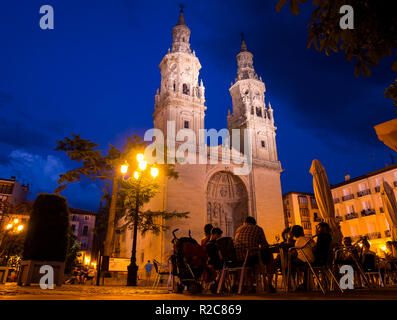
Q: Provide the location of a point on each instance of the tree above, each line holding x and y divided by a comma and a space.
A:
97, 165
12, 240
135, 193
49, 226
11, 248
100, 166
373, 37
71, 255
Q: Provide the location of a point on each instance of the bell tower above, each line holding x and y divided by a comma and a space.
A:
249, 108
181, 95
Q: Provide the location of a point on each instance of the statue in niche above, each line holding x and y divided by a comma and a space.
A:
215, 210
209, 209
223, 192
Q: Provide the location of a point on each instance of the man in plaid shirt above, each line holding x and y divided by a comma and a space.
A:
249, 236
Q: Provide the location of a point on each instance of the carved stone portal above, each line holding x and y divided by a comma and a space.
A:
227, 202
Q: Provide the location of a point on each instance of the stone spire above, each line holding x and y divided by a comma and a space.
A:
243, 46
181, 35
245, 63
181, 20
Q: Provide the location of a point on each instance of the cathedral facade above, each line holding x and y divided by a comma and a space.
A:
212, 192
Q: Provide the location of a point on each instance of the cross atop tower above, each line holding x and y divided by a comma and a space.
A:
181, 20
243, 45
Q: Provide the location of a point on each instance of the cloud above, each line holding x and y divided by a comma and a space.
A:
42, 173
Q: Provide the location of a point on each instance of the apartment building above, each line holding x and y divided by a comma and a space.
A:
83, 223
13, 196
358, 207
301, 208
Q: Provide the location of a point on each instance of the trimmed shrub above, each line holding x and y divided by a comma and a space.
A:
48, 229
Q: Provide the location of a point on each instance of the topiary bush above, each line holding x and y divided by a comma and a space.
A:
47, 235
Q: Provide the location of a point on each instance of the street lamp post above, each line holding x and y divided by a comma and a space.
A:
133, 267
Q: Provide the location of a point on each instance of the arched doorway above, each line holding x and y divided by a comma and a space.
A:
227, 202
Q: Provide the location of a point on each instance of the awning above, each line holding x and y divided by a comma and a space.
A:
387, 133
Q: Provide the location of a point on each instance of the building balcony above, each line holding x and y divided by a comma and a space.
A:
367, 212
336, 200
339, 218
348, 197
352, 215
374, 235
364, 193
377, 189
387, 233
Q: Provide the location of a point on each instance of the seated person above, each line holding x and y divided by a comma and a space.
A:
390, 255
288, 239
213, 249
250, 237
368, 257
349, 252
300, 241
207, 232
324, 239
288, 242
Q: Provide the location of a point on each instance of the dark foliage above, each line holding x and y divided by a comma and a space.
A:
373, 38
47, 235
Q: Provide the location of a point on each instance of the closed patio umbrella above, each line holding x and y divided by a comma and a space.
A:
390, 208
325, 203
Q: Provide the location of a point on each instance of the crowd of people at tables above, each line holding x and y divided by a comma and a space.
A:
250, 238
81, 274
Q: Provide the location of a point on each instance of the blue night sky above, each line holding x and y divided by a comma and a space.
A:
96, 75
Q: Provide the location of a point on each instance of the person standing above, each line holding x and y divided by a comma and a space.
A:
148, 267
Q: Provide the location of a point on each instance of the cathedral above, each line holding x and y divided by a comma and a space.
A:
212, 193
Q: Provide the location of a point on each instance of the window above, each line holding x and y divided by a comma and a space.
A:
73, 228
174, 87
313, 203
346, 192
186, 124
74, 218
302, 200
85, 231
304, 212
259, 112
307, 225
185, 89
263, 144
6, 188
86, 218
350, 209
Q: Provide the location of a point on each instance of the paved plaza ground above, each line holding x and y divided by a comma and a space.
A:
11, 291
